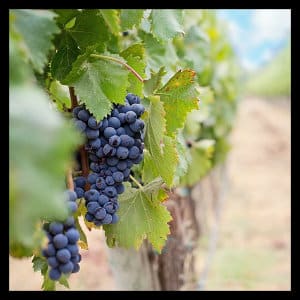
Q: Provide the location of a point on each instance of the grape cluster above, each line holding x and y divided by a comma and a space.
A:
113, 145
62, 251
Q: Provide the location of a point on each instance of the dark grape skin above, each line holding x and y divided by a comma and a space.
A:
92, 123
60, 241
53, 262
63, 255
109, 131
114, 122
130, 117
56, 227
122, 152
80, 125
66, 268
83, 115
72, 235
114, 141
54, 274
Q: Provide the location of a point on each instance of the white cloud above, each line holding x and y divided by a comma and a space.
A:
270, 25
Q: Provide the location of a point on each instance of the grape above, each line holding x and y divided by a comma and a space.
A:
60, 241
118, 177
56, 227
91, 195
120, 131
138, 159
133, 152
110, 191
74, 249
122, 165
66, 268
71, 195
100, 213
109, 180
130, 116
114, 141
107, 219
92, 206
76, 110
83, 115
126, 172
108, 150
121, 118
79, 192
103, 199
112, 161
114, 122
120, 188
72, 235
137, 126
93, 158
80, 125
110, 207
109, 131
69, 222
92, 133
63, 255
80, 182
126, 140
51, 251
115, 219
138, 109
76, 268
53, 262
92, 178
54, 274
115, 112
100, 153
100, 183
132, 98
95, 167
122, 152
75, 259
92, 123
72, 206
95, 144
89, 217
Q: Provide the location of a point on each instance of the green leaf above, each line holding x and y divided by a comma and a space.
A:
37, 28
19, 251
184, 157
41, 144
65, 15
89, 29
141, 216
63, 280
180, 96
131, 17
162, 150
111, 18
66, 54
166, 23
99, 83
154, 82
201, 156
135, 57
39, 264
60, 94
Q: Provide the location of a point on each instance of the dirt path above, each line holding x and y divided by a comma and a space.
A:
254, 247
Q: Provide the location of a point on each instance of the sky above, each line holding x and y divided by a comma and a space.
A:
257, 34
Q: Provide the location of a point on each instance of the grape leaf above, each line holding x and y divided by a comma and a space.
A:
48, 284
131, 17
63, 280
39, 264
180, 96
141, 216
89, 29
37, 29
98, 83
159, 54
201, 156
166, 23
162, 149
63, 59
111, 18
135, 57
60, 94
154, 82
65, 15
37, 183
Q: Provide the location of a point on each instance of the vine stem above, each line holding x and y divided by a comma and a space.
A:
70, 183
135, 181
133, 71
73, 97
